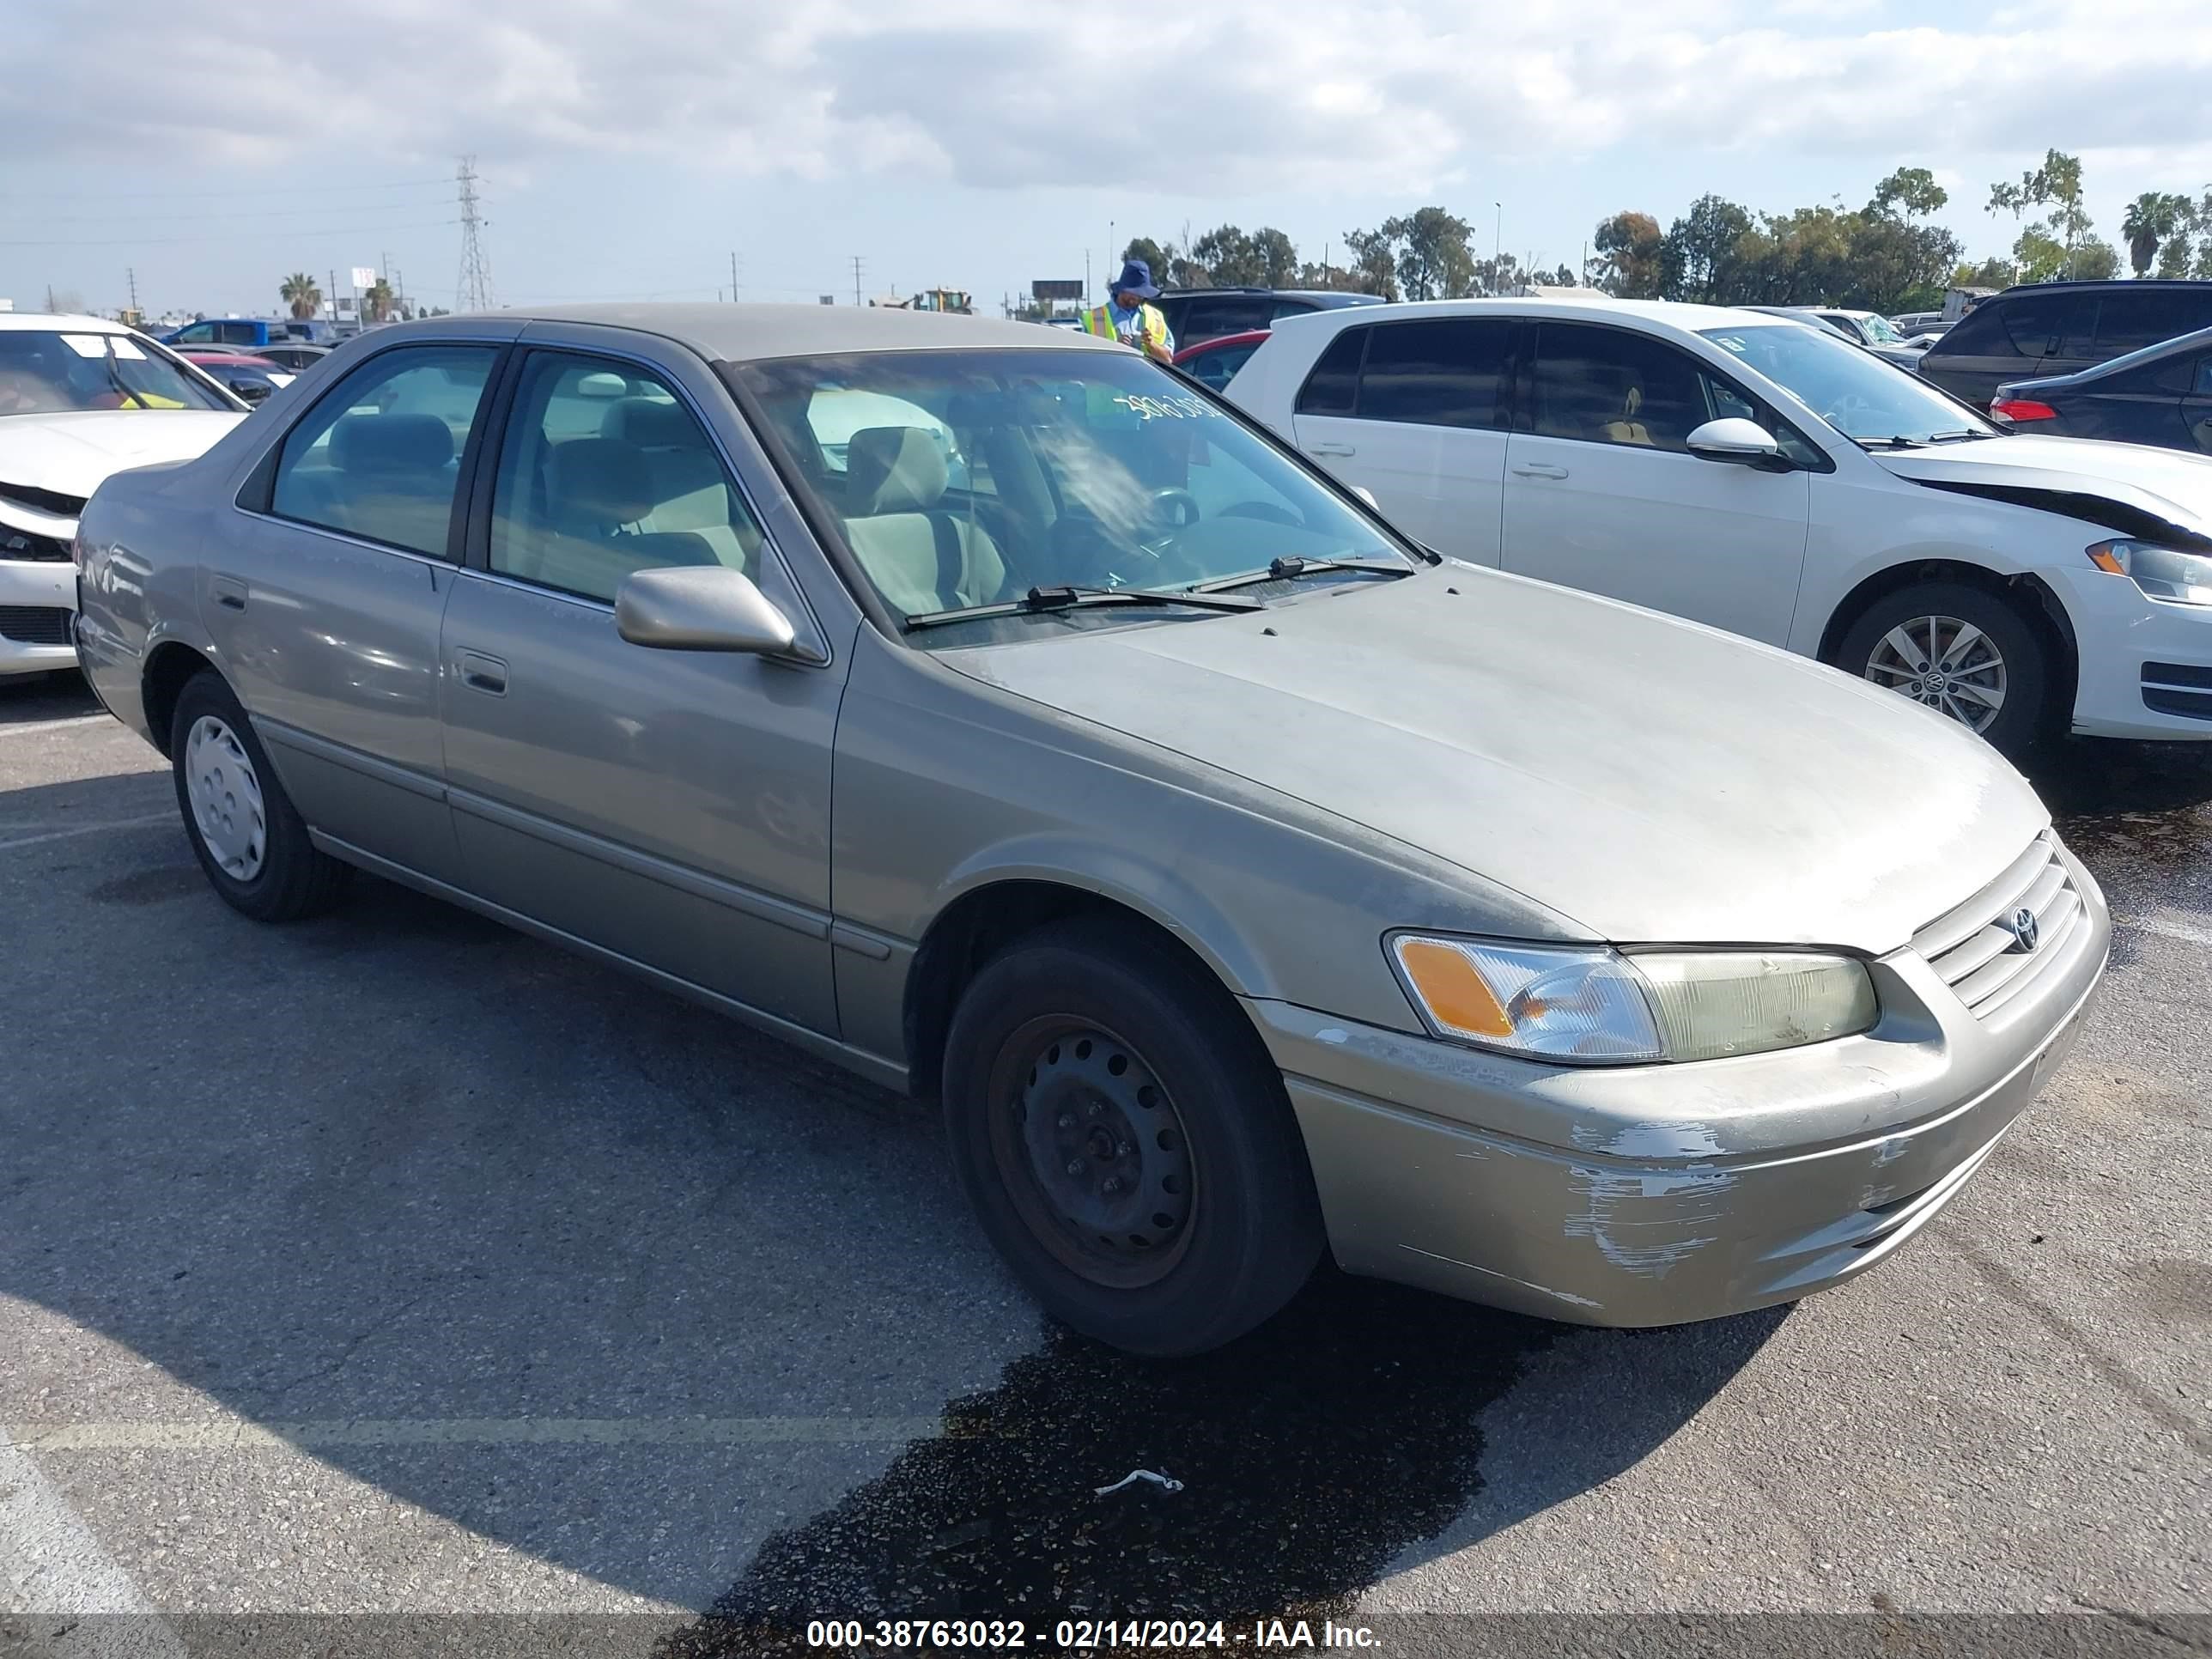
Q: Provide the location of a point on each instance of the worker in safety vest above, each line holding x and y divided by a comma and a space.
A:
1128, 317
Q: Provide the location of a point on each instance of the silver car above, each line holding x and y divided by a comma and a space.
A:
998, 714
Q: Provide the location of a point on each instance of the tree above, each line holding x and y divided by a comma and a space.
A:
1231, 258
1699, 257
1374, 263
2056, 184
1630, 256
2038, 254
376, 302
1430, 252
1278, 258
298, 291
1990, 273
2151, 220
1913, 189
1156, 258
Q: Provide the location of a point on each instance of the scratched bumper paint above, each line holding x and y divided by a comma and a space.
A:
1654, 1195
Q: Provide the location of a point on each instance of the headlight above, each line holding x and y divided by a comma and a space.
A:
2163, 573
1591, 1005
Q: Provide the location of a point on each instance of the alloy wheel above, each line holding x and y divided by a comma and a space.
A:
1948, 665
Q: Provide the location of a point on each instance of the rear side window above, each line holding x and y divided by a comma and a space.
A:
1612, 386
238, 334
1451, 371
1333, 388
2204, 378
2129, 322
1976, 334
2036, 324
380, 458
1229, 313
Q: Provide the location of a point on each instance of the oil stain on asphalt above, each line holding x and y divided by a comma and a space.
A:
1310, 1454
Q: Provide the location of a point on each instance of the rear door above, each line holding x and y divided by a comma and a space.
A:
322, 594
2015, 337
1417, 412
670, 806
1602, 492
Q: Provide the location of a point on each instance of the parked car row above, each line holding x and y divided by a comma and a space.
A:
1243, 878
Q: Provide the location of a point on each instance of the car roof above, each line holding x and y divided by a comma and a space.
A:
1326, 296
744, 333
1596, 308
2132, 284
51, 321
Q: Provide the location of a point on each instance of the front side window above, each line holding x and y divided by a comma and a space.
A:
604, 472
197, 334
1215, 369
1863, 398
44, 373
380, 458
1613, 386
1452, 371
1082, 469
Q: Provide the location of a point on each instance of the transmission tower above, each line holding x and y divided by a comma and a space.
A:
473, 292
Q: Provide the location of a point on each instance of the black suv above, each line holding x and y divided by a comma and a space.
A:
2059, 328
1205, 314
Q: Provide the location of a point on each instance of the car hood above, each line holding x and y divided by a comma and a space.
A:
1649, 780
2166, 484
70, 454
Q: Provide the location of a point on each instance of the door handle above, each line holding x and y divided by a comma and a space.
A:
229, 592
1539, 470
482, 673
1330, 449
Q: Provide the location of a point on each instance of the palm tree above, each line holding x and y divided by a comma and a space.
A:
376, 303
2151, 218
298, 291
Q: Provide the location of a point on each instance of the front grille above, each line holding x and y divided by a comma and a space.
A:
1975, 950
35, 624
2173, 688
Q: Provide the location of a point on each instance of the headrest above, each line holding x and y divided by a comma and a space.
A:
651, 423
604, 481
894, 469
385, 444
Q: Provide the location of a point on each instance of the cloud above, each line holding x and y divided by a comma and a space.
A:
1231, 96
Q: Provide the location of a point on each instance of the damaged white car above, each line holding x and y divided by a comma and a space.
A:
79, 399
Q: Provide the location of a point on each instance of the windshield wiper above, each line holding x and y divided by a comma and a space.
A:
1961, 435
1893, 443
1289, 569
107, 361
1039, 600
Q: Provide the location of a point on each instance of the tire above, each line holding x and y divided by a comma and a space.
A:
1095, 1012
244, 831
2008, 654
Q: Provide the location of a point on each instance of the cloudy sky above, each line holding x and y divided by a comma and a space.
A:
628, 147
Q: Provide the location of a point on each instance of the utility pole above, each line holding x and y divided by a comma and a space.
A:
473, 291
132, 274
334, 298
49, 299
856, 280
733, 276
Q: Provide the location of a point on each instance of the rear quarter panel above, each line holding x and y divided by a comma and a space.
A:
139, 548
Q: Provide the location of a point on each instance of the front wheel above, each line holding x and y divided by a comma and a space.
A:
1126, 1143
1965, 653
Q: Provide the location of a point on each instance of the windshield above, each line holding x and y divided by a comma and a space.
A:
1881, 331
56, 372
1853, 391
967, 478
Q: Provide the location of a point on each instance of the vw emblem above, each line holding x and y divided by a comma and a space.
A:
2022, 925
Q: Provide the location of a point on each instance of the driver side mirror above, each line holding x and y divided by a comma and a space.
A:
1745, 443
701, 607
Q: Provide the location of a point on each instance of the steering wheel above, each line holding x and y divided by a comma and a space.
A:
1846, 408
1171, 507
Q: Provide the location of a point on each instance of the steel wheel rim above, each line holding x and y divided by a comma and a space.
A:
1945, 664
1093, 1152
225, 795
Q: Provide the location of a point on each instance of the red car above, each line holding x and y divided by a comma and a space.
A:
1213, 362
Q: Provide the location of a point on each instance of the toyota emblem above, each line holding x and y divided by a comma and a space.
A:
2022, 925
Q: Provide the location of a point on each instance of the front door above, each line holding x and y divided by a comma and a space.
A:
671, 806
324, 592
1602, 492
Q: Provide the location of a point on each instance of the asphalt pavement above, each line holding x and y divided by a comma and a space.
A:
395, 1265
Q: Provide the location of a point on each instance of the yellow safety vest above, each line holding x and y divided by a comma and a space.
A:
1099, 320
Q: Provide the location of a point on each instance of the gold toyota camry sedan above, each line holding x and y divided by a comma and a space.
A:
1003, 716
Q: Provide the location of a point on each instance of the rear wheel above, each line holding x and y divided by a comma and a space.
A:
1967, 653
244, 831
1125, 1141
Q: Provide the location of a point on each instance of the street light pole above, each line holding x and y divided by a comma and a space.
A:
1498, 251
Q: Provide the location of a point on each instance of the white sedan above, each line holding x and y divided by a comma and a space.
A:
1772, 480
80, 398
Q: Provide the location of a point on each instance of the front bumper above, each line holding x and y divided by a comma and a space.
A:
2130, 647
1656, 1195
38, 601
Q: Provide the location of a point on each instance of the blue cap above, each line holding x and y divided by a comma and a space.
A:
1136, 278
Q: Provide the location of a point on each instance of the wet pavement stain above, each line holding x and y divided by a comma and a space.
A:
2132, 801
1312, 1454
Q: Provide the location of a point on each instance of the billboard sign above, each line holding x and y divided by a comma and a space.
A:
1070, 289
